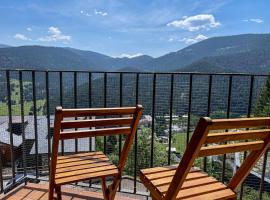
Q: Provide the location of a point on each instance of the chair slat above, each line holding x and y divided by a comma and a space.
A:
220, 194
82, 177
84, 171
98, 111
78, 155
96, 122
94, 133
230, 148
218, 124
190, 184
200, 190
241, 135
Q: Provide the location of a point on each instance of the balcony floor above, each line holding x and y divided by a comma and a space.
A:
33, 191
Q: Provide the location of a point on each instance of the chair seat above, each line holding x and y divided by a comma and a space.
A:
83, 166
197, 185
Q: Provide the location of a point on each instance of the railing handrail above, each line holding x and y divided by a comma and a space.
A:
138, 72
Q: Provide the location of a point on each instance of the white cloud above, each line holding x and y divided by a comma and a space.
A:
256, 20
85, 13
195, 23
171, 39
55, 35
19, 36
124, 55
100, 13
29, 29
198, 38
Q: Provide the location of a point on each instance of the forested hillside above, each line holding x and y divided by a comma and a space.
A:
248, 53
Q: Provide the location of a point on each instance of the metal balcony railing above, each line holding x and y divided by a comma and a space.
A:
173, 103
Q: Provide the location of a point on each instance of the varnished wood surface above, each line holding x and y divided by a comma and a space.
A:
98, 111
96, 122
83, 166
197, 185
94, 133
240, 135
230, 148
40, 192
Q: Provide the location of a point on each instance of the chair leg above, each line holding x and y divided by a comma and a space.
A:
51, 191
104, 188
153, 198
113, 187
58, 191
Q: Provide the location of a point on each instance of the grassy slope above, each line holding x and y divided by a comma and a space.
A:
15, 96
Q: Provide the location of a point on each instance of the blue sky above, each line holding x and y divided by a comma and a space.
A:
128, 27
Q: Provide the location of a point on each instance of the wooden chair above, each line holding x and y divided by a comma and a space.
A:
186, 182
84, 166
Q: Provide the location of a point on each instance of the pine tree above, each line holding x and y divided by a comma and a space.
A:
263, 102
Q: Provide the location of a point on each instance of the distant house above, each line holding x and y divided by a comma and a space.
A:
146, 120
31, 143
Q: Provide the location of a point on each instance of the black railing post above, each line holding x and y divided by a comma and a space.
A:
248, 115
35, 120
208, 113
136, 137
263, 174
105, 105
170, 123
121, 104
153, 121
61, 87
189, 106
227, 116
10, 125
75, 103
264, 167
22, 123
90, 102
61, 104
48, 117
90, 105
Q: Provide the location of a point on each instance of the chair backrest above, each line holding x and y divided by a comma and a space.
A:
235, 135
92, 122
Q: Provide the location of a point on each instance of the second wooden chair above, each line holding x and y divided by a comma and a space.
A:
188, 183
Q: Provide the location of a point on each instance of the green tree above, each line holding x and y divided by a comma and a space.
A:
263, 102
251, 194
144, 152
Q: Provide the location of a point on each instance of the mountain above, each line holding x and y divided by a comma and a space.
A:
100, 61
58, 58
38, 57
139, 62
204, 65
246, 53
4, 46
253, 61
103, 61
245, 45
129, 69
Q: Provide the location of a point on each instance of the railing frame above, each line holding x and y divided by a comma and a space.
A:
105, 92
